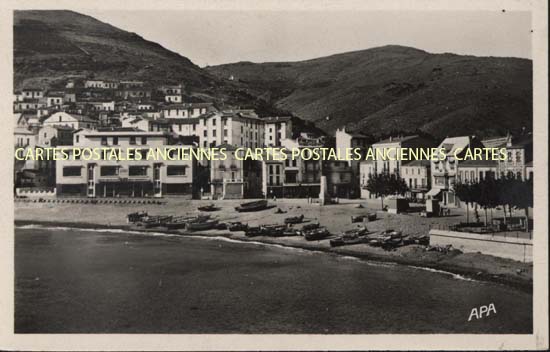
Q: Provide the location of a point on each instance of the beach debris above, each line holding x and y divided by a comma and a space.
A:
280, 211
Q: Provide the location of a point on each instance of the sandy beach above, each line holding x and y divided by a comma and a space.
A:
336, 218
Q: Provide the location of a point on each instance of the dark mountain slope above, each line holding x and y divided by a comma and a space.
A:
397, 88
50, 45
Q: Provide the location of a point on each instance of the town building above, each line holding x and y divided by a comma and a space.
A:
295, 177
147, 177
234, 178
444, 172
276, 129
340, 180
476, 170
347, 141
133, 93
519, 151
31, 104
173, 98
74, 121
175, 89
31, 93
235, 127
54, 99
188, 110
417, 176
52, 136
386, 157
93, 83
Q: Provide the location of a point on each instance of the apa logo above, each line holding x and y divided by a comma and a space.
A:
483, 310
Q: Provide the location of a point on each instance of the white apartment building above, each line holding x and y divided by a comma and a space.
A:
234, 127
124, 178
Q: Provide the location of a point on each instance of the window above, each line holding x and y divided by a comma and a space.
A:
109, 171
103, 140
214, 133
77, 138
137, 171
205, 133
132, 140
214, 122
72, 171
143, 140
175, 170
225, 133
115, 140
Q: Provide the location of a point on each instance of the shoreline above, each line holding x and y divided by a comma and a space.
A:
438, 263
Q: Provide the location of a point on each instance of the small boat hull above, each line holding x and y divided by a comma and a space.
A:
252, 206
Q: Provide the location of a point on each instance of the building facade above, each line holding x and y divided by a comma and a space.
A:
108, 177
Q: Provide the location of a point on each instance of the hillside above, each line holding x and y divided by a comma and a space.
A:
395, 88
50, 45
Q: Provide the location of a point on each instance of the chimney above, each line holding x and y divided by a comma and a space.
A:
391, 138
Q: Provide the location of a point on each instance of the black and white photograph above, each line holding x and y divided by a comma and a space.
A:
323, 170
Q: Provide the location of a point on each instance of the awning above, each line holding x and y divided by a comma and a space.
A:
433, 192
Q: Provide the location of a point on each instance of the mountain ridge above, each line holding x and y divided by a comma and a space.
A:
378, 88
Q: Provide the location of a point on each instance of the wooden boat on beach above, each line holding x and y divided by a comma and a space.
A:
350, 237
209, 207
253, 231
273, 230
312, 226
252, 206
294, 219
135, 217
316, 234
202, 225
154, 221
237, 226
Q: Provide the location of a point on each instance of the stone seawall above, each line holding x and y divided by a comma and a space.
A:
506, 247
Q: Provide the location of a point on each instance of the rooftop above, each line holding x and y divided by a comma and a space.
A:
417, 163
398, 139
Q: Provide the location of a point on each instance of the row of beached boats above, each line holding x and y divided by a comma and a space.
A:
199, 222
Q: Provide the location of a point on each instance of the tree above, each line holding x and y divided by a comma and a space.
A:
464, 192
523, 198
384, 184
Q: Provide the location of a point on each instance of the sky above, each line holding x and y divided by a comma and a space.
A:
218, 37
